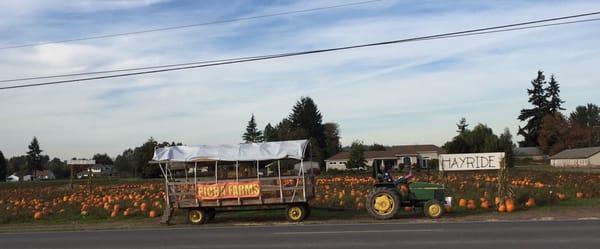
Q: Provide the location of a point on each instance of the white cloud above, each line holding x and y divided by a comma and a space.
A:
396, 94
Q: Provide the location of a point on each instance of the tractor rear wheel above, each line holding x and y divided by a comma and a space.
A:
383, 203
433, 209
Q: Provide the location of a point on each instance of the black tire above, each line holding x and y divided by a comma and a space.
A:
308, 211
296, 212
433, 209
196, 216
383, 203
210, 214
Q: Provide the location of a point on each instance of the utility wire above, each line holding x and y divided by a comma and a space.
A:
480, 31
447, 35
190, 25
267, 56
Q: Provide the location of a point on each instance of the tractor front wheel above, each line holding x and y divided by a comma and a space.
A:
433, 209
383, 203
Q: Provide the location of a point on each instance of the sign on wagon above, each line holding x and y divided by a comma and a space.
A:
470, 161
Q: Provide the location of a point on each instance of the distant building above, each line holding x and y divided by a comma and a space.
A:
531, 153
45, 175
12, 178
96, 170
581, 157
393, 157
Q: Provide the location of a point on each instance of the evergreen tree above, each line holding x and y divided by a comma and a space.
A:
125, 163
462, 125
269, 133
60, 168
506, 144
331, 132
3, 165
142, 155
553, 96
103, 159
252, 134
305, 115
588, 115
306, 120
357, 156
533, 116
377, 147
34, 157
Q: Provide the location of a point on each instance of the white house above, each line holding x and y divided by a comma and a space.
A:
581, 157
12, 178
394, 157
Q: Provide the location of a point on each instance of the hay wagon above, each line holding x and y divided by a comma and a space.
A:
203, 180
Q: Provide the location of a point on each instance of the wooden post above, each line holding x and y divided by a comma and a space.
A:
90, 180
71, 178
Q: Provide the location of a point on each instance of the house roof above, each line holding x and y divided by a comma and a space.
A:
393, 151
579, 153
528, 151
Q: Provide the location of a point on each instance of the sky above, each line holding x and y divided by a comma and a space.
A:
410, 93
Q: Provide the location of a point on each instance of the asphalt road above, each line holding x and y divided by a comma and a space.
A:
488, 235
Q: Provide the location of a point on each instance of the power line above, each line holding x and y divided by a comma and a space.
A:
190, 25
480, 31
127, 69
495, 29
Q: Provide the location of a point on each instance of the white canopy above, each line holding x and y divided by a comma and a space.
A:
233, 152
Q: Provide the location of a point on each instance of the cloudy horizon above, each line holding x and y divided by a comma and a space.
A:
412, 93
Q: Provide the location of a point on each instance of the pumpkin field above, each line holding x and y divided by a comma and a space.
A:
121, 199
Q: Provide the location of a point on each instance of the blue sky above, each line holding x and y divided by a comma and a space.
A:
409, 93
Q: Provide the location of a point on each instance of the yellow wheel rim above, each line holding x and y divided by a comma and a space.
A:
195, 216
295, 213
435, 210
383, 204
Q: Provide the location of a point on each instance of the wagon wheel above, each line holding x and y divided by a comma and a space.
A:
296, 212
383, 203
196, 216
433, 209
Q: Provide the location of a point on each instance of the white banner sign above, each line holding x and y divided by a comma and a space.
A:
470, 161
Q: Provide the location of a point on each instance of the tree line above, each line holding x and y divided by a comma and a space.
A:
130, 163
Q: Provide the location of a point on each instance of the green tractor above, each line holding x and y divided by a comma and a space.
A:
389, 196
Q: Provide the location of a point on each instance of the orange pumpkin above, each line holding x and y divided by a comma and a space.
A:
448, 209
485, 204
501, 208
144, 207
530, 202
510, 205
152, 214
37, 215
579, 195
462, 203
